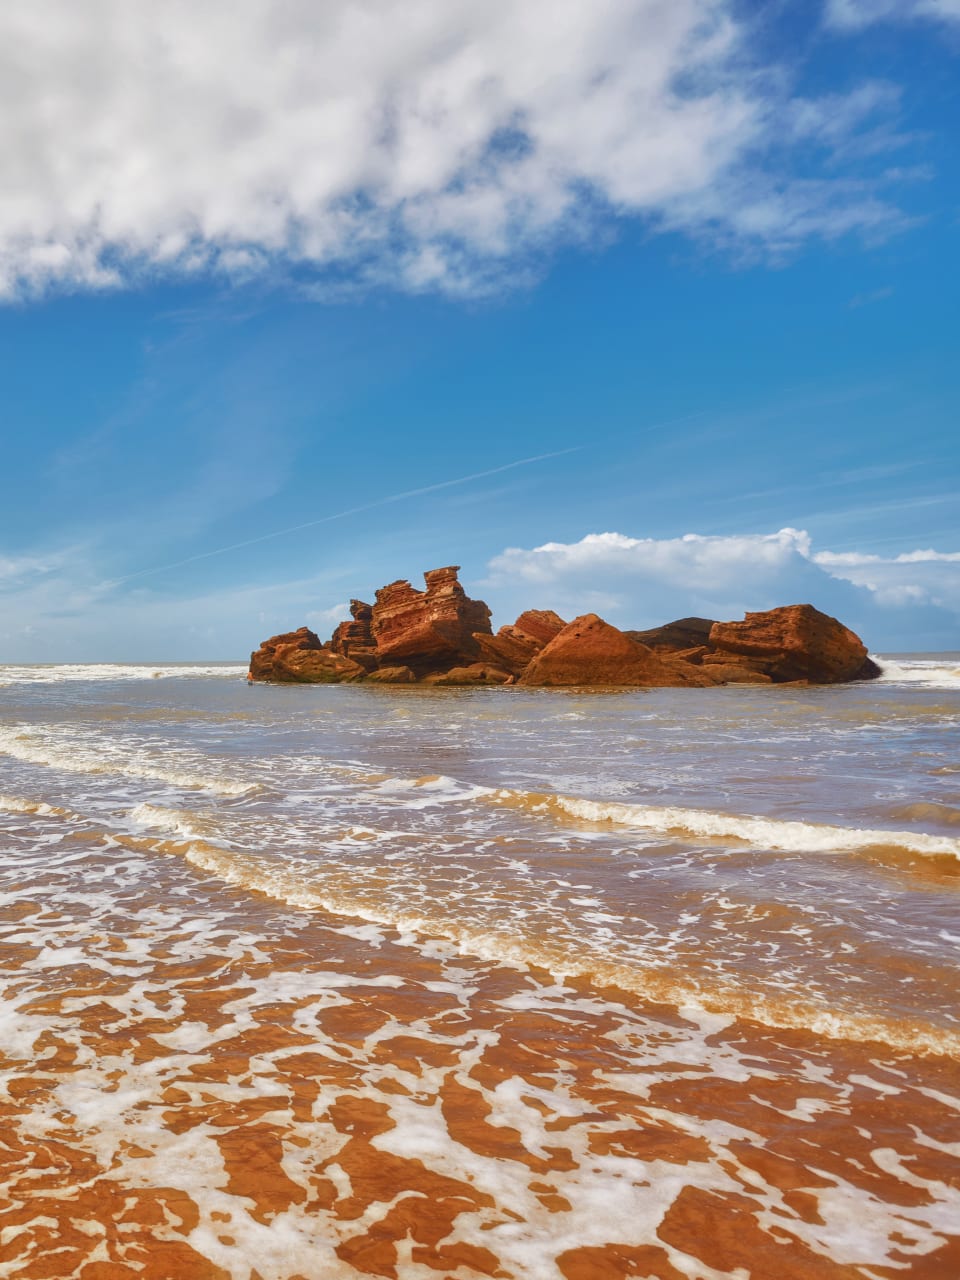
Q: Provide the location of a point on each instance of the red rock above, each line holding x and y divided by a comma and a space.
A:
430, 630
514, 646
590, 651
355, 639
796, 642
476, 673
540, 625
674, 637
731, 673
392, 675
299, 657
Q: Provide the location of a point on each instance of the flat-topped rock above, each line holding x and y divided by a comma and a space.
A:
795, 642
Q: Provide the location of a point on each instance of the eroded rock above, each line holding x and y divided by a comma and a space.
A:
589, 651
441, 636
795, 642
300, 657
431, 630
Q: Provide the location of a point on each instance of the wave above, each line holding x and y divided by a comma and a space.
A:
932, 673
192, 837
556, 956
58, 673
18, 804
769, 833
92, 756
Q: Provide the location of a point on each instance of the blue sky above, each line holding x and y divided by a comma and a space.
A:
642, 307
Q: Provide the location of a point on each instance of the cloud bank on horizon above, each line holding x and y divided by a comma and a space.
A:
54, 610
644, 581
430, 146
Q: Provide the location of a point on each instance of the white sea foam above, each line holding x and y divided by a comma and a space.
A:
79, 752
767, 833
933, 673
58, 673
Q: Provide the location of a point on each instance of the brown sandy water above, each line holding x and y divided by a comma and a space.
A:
341, 982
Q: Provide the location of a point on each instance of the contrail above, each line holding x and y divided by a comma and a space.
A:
341, 515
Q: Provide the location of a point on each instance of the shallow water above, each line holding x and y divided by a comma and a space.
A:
314, 982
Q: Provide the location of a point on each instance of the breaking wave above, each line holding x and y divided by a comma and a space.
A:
78, 753
70, 672
933, 673
768, 833
501, 944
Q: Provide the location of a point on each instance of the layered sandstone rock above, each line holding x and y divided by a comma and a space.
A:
796, 642
430, 630
441, 636
299, 657
354, 639
513, 647
590, 651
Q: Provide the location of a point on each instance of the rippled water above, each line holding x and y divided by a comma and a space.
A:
328, 981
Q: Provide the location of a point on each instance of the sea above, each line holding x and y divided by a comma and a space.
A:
319, 982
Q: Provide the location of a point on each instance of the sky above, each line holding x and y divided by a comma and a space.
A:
642, 307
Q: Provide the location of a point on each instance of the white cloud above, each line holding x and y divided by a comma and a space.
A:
694, 561
922, 576
425, 144
853, 14
645, 581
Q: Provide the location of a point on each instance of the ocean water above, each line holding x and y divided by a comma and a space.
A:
310, 982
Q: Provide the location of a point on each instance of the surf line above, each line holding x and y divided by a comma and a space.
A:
342, 515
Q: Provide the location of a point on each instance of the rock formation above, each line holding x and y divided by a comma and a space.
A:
590, 651
513, 647
299, 657
675, 637
354, 639
431, 630
440, 636
796, 642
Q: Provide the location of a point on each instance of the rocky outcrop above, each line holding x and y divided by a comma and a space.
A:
428, 631
440, 636
513, 647
299, 657
682, 636
590, 651
476, 673
354, 639
796, 642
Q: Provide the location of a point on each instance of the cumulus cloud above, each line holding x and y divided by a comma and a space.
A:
644, 581
853, 14
913, 577
430, 145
